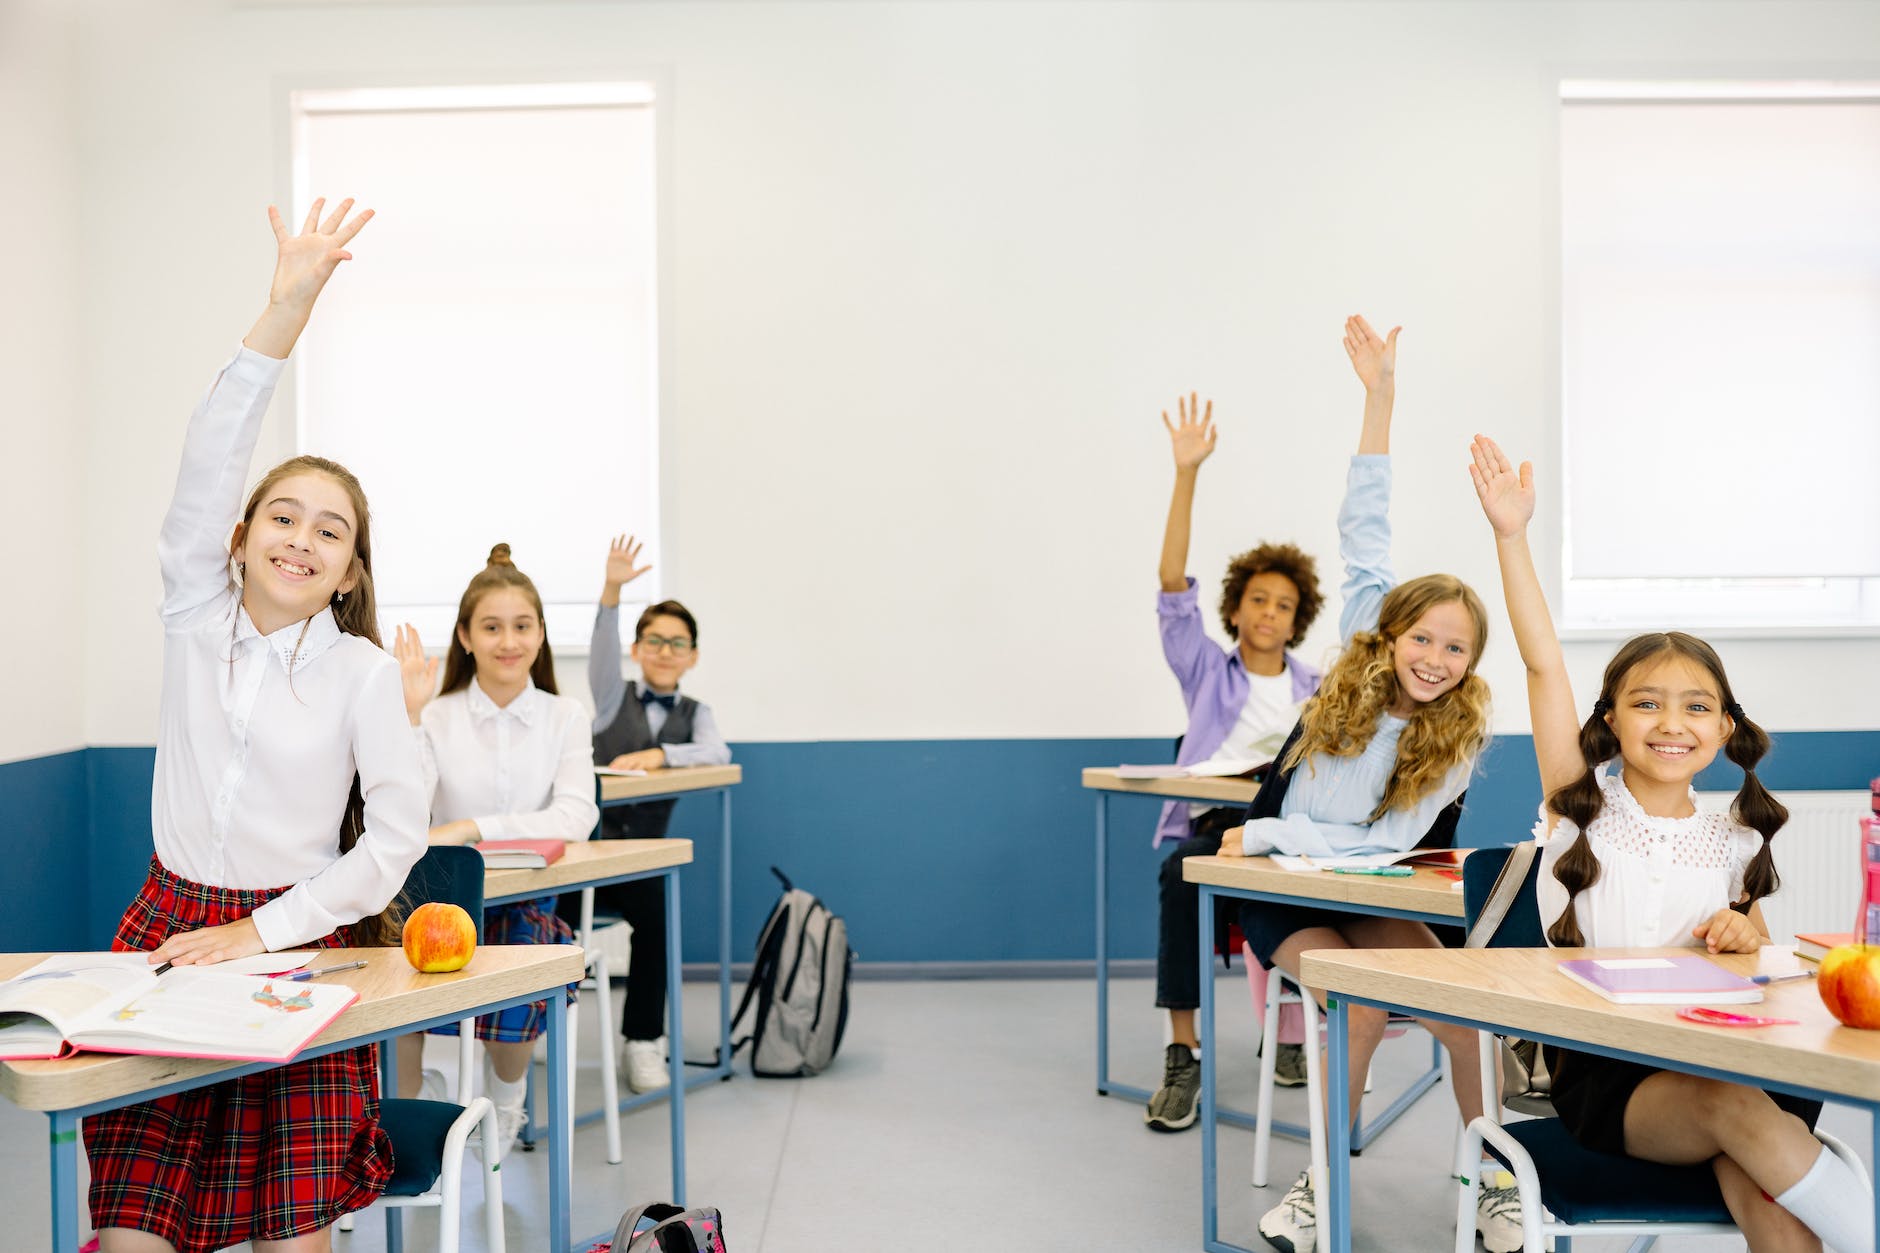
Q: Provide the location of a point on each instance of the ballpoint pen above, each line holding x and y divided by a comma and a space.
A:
301, 976
1806, 974
1389, 872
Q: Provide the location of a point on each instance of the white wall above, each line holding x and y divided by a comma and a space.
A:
932, 271
42, 415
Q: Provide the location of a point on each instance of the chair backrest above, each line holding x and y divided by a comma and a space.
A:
1521, 928
452, 874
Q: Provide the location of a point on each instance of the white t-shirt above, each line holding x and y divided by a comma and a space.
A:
1259, 733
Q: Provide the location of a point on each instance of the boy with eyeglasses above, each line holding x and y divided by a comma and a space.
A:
643, 725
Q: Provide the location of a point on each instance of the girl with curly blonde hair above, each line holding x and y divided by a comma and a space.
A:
1379, 762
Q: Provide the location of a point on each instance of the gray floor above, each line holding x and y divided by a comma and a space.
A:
960, 1114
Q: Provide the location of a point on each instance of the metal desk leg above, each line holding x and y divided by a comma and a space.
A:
64, 1145
560, 1134
1103, 945
724, 934
1335, 1205
675, 1028
1210, 1164
388, 1088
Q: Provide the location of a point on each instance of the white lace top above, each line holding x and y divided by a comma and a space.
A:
1659, 877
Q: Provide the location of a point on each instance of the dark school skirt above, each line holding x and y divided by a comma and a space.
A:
520, 922
1267, 924
1591, 1092
271, 1155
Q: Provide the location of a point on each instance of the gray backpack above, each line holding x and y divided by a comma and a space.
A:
800, 983
673, 1230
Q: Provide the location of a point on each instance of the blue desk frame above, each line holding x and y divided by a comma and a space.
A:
64, 1137
1339, 1143
1336, 1213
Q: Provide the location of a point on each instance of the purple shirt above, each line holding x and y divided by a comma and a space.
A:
1214, 687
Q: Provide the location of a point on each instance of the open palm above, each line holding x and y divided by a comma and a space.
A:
623, 560
305, 261
1373, 356
1192, 439
1507, 494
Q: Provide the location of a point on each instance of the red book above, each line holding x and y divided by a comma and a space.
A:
1812, 948
521, 854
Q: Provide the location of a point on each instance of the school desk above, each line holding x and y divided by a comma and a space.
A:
1425, 896
1106, 782
1522, 991
394, 1000
666, 784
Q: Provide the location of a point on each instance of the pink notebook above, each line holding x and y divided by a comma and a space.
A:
1662, 981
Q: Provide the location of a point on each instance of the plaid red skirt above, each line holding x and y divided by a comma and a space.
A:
275, 1154
522, 922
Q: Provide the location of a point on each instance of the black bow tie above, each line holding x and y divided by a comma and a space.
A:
654, 698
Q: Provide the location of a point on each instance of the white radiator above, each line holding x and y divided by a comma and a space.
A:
1818, 857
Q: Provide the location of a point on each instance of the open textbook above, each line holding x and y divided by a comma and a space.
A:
1200, 770
116, 1003
1435, 858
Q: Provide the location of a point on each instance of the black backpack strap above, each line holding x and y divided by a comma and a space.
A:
1266, 801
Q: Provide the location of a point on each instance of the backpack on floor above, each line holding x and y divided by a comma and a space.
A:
674, 1230
800, 982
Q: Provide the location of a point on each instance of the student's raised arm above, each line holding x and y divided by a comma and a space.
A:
605, 682
1507, 497
1364, 517
1192, 441
192, 546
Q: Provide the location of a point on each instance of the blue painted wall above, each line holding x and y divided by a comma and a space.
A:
947, 850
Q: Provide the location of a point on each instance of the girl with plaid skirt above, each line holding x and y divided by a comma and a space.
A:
286, 808
505, 758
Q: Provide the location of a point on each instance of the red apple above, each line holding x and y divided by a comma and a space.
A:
1850, 984
439, 938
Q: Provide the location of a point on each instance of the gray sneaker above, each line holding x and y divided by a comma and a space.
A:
1292, 1226
1289, 1066
1175, 1103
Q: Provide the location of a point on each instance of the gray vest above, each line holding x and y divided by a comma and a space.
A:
629, 733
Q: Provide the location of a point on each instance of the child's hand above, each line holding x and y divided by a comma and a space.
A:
210, 945
305, 261
1374, 358
1728, 932
645, 759
622, 558
1193, 440
1507, 496
1232, 842
415, 670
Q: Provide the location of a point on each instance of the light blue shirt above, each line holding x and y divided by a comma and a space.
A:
1328, 806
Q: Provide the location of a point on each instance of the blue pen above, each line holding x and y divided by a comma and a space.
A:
1806, 974
1392, 872
301, 976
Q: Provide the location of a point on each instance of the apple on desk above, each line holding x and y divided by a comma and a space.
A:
439, 938
1849, 983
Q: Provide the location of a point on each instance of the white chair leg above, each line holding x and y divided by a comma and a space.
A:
1316, 1079
1468, 1150
492, 1195
1269, 1060
345, 1222
604, 1027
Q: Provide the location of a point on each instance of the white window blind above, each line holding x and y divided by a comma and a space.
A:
487, 366
1721, 348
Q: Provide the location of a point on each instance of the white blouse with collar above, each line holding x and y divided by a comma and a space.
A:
1659, 877
524, 771
258, 737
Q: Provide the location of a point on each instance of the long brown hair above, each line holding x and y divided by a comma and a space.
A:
1580, 801
460, 665
1362, 684
356, 613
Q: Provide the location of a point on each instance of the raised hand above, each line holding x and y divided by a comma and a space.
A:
623, 557
302, 265
1374, 357
1193, 439
417, 672
1507, 495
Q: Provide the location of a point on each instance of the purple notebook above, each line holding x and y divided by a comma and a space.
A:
1662, 981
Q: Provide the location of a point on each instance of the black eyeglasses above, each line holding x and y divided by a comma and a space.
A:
679, 646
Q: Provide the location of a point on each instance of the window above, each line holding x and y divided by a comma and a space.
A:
1720, 355
488, 365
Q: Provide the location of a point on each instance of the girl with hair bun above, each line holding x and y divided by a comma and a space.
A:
1628, 861
1379, 762
505, 757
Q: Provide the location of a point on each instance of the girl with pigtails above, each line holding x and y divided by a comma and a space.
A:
1628, 861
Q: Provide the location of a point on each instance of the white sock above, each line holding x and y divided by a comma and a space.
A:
1831, 1202
504, 1093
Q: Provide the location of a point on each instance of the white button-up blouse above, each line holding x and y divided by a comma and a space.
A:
1658, 877
258, 737
524, 771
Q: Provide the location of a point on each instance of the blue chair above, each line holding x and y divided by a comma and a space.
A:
1587, 1193
428, 1137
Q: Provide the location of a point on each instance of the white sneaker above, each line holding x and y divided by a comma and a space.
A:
1498, 1212
644, 1062
508, 1099
432, 1087
1292, 1225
